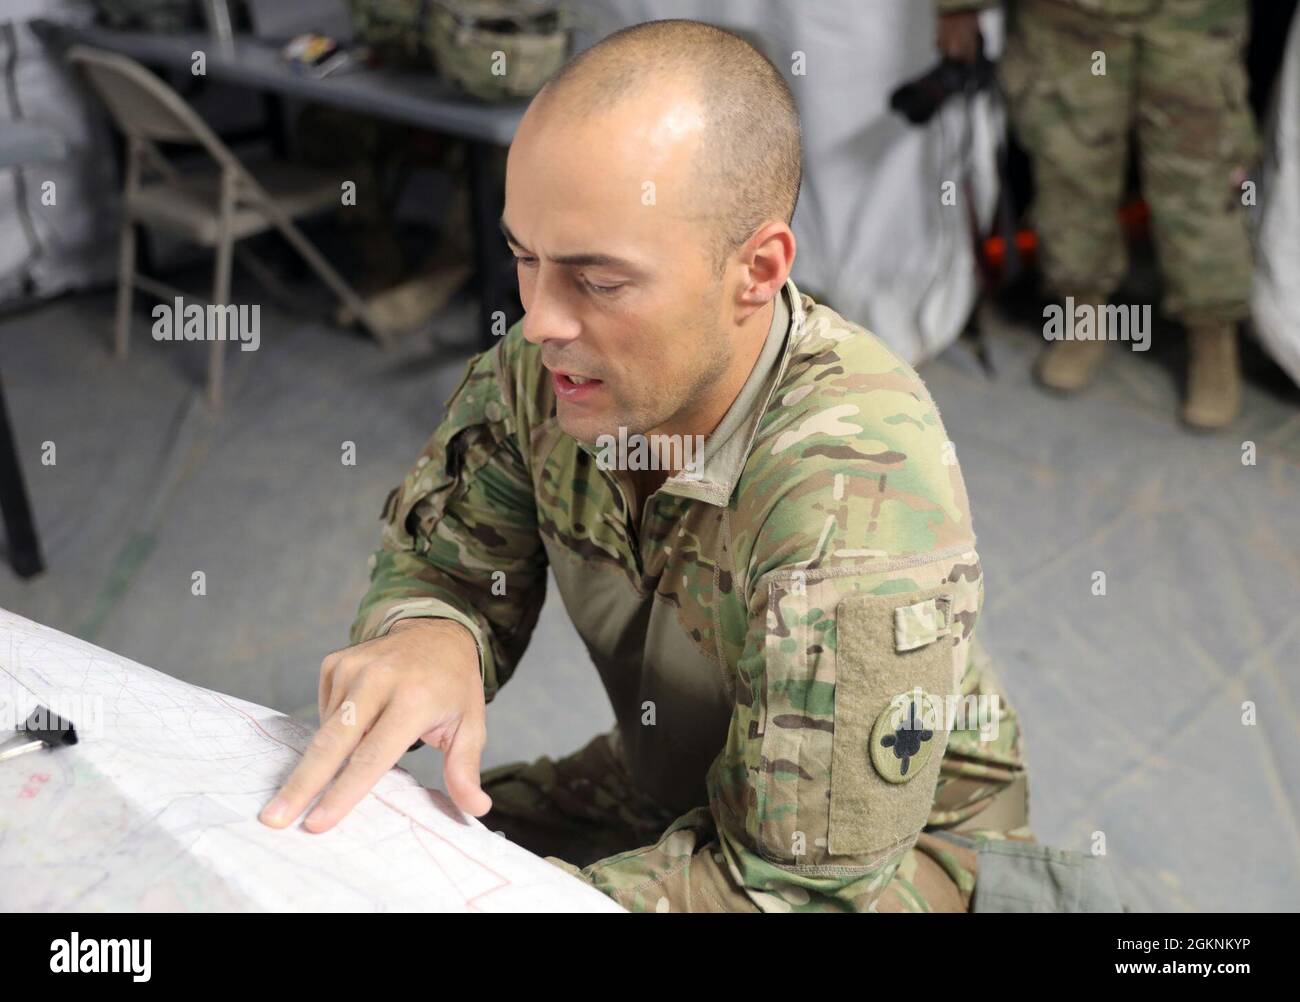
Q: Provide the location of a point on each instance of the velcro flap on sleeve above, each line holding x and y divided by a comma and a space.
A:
891, 694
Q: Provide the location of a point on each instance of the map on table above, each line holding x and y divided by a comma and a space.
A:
155, 808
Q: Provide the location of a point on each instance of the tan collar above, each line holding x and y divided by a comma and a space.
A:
726, 450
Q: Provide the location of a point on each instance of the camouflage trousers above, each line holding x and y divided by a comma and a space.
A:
1078, 84
585, 807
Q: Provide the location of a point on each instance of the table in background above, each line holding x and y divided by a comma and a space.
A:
405, 96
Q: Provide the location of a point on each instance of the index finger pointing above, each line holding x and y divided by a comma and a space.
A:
329, 748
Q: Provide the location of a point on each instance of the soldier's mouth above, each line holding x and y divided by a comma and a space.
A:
572, 387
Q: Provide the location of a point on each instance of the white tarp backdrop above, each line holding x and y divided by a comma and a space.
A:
72, 242
1275, 302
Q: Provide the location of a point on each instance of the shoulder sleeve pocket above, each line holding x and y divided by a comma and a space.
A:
894, 672
475, 424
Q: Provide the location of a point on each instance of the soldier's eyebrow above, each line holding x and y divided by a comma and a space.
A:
584, 260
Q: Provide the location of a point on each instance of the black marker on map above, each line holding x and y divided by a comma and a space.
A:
42, 729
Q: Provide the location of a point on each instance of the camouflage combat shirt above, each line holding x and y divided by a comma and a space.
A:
772, 610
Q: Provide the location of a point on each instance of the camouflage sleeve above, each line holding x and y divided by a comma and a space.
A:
863, 590
460, 534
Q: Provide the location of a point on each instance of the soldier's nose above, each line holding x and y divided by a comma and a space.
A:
541, 326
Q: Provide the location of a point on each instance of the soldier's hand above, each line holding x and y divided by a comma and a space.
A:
420, 680
957, 36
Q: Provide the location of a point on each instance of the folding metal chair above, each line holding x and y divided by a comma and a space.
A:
213, 207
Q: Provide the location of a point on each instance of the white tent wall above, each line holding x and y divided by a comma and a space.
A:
1275, 301
70, 243
875, 241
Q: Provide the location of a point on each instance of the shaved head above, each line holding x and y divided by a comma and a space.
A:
649, 191
748, 168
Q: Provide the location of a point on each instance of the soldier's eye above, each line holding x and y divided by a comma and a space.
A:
602, 290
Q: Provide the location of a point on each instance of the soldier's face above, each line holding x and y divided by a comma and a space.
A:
615, 272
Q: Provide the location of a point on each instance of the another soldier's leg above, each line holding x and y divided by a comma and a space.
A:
580, 808
1068, 77
1196, 139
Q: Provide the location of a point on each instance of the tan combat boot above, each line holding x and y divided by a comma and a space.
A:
1069, 366
1213, 376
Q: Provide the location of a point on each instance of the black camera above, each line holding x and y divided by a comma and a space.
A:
918, 100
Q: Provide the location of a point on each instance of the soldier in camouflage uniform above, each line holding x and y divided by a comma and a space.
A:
784, 628
1173, 74
829, 503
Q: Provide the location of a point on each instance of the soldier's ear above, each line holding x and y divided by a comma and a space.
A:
768, 256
